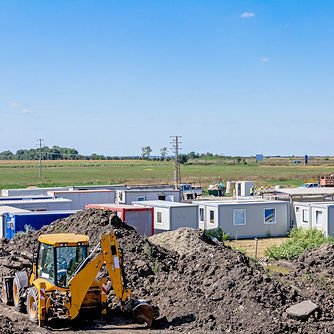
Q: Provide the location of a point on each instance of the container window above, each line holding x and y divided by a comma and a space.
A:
270, 216
201, 214
162, 198
212, 217
239, 217
305, 215
318, 218
140, 199
159, 217
121, 198
297, 209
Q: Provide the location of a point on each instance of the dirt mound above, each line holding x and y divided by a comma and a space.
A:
183, 241
7, 327
314, 278
199, 285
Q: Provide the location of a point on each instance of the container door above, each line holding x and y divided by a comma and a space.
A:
10, 226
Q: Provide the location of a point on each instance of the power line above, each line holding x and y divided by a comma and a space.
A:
175, 149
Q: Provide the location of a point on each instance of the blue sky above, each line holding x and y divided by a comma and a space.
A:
231, 77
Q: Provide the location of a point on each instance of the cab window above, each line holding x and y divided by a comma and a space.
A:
46, 262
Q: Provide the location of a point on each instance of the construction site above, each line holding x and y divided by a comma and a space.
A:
193, 283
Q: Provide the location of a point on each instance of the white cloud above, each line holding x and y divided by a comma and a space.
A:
14, 105
26, 111
247, 15
264, 59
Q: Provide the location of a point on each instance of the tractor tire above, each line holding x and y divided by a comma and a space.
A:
18, 298
32, 304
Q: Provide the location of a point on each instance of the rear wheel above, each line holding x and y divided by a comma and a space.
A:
18, 297
32, 304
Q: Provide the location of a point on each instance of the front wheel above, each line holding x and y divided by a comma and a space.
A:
18, 296
32, 304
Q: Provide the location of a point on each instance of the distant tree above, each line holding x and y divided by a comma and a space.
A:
182, 158
193, 155
6, 155
146, 152
163, 153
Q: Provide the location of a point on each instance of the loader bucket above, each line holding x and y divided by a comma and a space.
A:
143, 311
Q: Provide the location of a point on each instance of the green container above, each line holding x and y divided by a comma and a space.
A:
215, 192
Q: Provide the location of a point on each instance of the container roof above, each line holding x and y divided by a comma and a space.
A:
241, 202
307, 191
151, 190
164, 204
48, 200
36, 213
80, 191
113, 206
63, 238
11, 209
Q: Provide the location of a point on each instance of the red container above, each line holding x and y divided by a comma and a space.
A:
142, 219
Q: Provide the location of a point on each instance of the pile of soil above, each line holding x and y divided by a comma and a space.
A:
314, 279
197, 284
7, 327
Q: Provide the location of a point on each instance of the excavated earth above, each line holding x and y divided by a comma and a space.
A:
198, 285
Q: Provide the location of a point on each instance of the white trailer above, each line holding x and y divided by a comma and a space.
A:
128, 196
245, 219
52, 204
319, 215
7, 209
81, 198
30, 191
169, 216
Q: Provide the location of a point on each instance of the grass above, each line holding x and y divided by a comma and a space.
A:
248, 245
17, 174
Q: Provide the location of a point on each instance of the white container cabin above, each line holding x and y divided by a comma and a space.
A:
242, 188
80, 198
30, 191
319, 215
53, 204
245, 219
169, 216
128, 196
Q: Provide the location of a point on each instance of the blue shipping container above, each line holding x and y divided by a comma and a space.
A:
16, 222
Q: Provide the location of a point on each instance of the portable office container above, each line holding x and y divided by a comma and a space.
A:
245, 219
128, 196
139, 218
7, 209
16, 222
40, 204
22, 198
82, 197
30, 191
315, 215
242, 188
169, 216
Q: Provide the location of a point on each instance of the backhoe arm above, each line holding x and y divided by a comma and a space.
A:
86, 273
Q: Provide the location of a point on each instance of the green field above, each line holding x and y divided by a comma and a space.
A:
15, 174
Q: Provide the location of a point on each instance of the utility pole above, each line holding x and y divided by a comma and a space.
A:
175, 148
40, 156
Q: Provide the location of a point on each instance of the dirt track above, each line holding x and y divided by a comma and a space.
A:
197, 284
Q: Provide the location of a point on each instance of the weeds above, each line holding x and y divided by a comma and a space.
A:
219, 234
300, 241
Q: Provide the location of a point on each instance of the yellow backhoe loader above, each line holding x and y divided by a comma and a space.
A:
64, 280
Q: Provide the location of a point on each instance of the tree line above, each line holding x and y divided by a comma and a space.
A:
65, 153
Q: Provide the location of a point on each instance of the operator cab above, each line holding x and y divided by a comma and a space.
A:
59, 255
